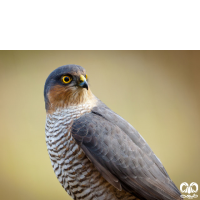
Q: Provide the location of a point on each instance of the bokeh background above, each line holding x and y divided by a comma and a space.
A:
158, 92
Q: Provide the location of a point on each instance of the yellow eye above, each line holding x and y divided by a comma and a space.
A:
66, 79
86, 76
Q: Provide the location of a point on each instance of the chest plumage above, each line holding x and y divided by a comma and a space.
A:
75, 172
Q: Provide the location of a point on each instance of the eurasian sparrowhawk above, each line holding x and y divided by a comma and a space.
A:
94, 152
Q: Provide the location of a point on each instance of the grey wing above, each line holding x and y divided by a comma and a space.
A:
120, 160
111, 116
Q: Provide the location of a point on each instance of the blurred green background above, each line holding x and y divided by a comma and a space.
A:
158, 92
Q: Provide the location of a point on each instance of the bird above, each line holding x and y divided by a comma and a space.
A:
95, 153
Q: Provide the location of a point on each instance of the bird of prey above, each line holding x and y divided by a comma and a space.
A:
94, 152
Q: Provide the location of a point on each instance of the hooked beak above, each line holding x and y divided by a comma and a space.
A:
83, 83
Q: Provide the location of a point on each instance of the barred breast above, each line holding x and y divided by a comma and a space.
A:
75, 172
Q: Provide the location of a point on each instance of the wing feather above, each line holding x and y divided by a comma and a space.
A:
122, 156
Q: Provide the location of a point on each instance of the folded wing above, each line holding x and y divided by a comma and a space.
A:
122, 156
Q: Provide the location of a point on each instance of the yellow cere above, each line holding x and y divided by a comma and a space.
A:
82, 78
66, 79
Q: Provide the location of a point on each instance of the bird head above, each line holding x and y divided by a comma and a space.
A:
66, 86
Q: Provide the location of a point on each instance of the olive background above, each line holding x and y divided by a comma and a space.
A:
158, 92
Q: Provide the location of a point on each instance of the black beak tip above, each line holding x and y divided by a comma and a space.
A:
85, 85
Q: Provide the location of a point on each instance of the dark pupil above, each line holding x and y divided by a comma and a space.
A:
66, 79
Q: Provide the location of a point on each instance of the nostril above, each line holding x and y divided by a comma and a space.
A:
82, 78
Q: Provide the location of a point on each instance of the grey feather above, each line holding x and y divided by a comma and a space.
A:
121, 155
